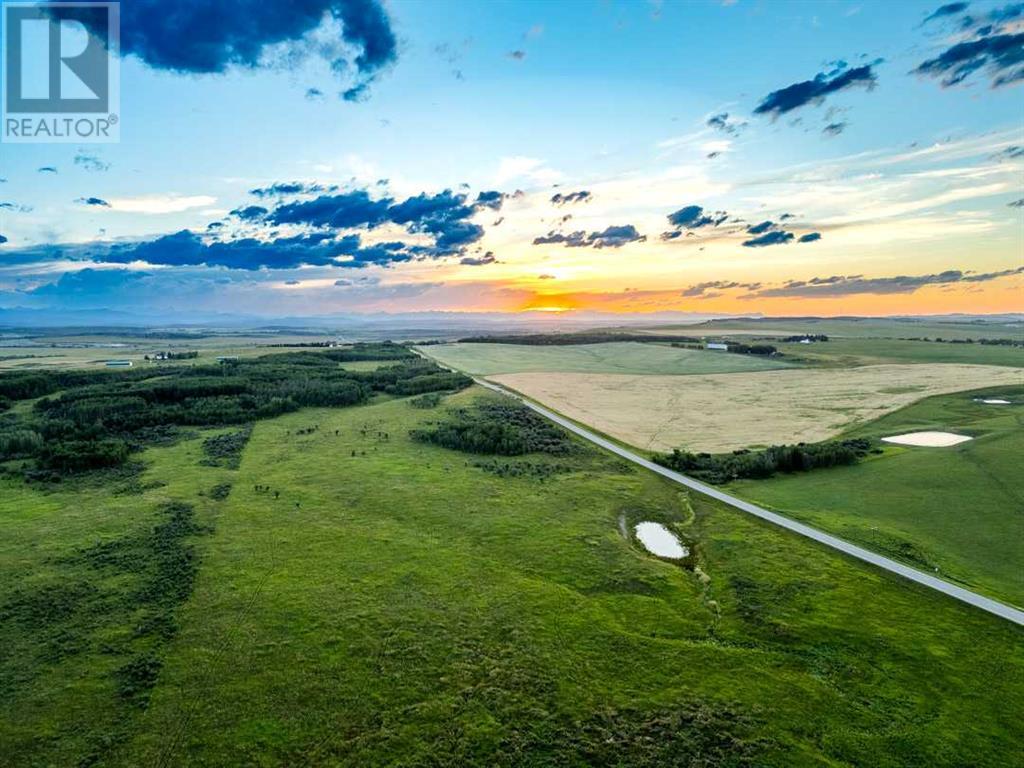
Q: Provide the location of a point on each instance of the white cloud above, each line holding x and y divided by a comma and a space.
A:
157, 204
529, 168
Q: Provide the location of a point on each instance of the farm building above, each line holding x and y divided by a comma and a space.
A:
719, 346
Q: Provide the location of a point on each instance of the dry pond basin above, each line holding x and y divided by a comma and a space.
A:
660, 541
928, 439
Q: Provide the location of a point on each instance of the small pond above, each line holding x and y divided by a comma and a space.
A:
660, 541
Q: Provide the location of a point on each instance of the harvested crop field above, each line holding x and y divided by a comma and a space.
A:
723, 412
610, 357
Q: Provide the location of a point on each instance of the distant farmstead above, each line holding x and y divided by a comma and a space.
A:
720, 346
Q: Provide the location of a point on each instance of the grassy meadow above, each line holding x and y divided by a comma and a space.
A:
482, 359
956, 510
359, 598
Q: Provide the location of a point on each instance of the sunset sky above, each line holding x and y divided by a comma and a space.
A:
329, 156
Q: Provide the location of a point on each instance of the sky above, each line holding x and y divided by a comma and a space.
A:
317, 157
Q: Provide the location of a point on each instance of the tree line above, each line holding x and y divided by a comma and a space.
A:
759, 464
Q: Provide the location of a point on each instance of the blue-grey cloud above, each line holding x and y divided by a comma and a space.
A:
1017, 203
693, 217
206, 38
810, 237
614, 236
96, 201
581, 196
479, 261
91, 163
492, 199
815, 91
944, 11
48, 169
760, 229
729, 125
2, 239
845, 285
703, 290
15, 207
999, 54
285, 188
250, 213
776, 237
1010, 153
314, 94
834, 129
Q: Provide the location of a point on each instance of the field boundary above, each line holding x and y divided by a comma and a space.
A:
987, 604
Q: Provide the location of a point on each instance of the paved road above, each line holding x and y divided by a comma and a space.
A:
958, 593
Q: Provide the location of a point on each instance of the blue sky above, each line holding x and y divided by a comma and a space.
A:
914, 179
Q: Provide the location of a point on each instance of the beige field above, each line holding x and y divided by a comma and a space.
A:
723, 412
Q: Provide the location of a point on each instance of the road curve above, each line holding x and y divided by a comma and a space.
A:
958, 593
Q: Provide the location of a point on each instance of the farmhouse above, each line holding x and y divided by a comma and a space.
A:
720, 346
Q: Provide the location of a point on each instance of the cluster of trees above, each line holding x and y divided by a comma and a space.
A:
808, 336
505, 429
98, 417
751, 349
804, 457
191, 355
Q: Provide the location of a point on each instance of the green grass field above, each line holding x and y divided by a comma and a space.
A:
397, 605
614, 357
955, 509
848, 352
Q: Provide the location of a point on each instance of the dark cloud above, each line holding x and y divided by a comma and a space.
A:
293, 282
701, 290
518, 54
722, 122
546, 277
345, 210
48, 169
810, 237
250, 213
1010, 153
1000, 55
2, 239
1016, 203
283, 188
490, 199
760, 229
186, 248
693, 217
834, 129
203, 38
581, 196
949, 9
814, 91
842, 285
15, 207
610, 237
479, 261
786, 217
93, 201
314, 94
776, 237
91, 163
